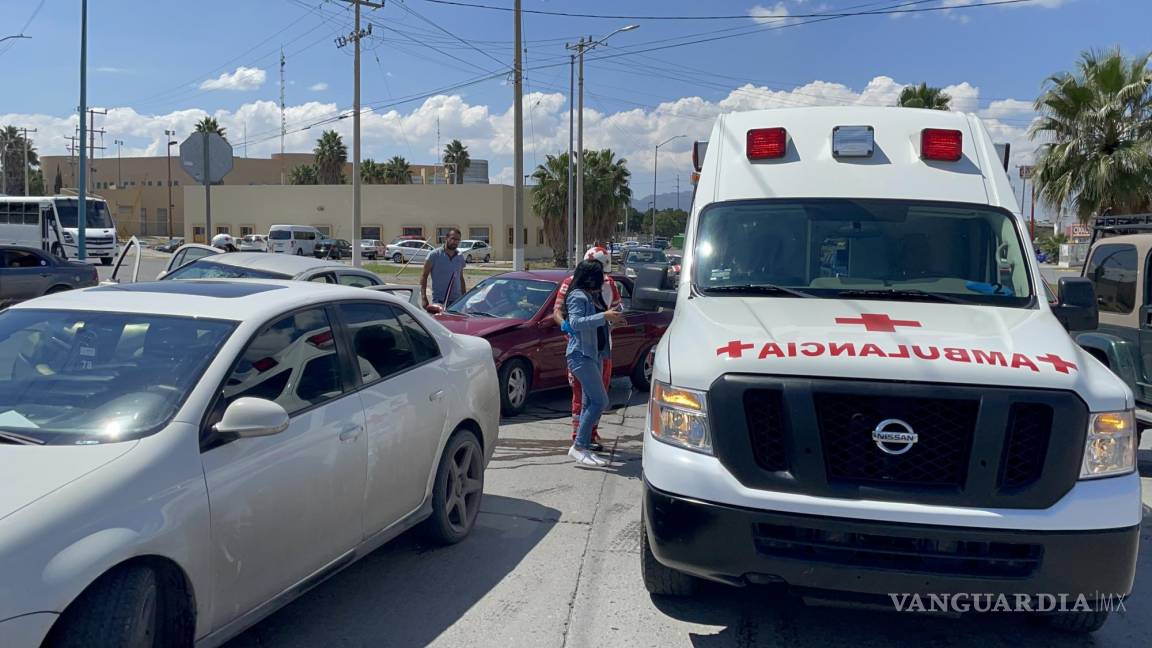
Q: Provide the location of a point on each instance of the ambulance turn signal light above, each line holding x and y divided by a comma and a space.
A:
767, 143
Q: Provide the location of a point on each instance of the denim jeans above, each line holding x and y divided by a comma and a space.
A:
588, 372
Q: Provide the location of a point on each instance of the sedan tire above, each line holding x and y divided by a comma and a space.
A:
515, 385
397, 258
642, 373
121, 609
458, 490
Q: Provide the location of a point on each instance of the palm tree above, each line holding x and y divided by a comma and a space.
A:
372, 172
397, 171
606, 193
550, 201
331, 156
303, 175
924, 96
1095, 126
12, 144
457, 159
209, 125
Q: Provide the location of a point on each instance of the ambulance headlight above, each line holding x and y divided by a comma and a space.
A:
679, 417
1111, 445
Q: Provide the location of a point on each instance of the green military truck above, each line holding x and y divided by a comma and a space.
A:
1119, 266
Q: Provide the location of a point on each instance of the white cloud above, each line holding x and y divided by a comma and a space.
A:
1008, 108
244, 78
965, 97
777, 14
318, 87
107, 69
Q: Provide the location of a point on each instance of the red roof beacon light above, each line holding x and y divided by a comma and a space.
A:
940, 144
767, 143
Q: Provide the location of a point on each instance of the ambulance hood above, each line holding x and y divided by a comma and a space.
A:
883, 340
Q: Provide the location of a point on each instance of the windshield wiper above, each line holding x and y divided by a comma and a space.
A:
19, 439
767, 289
480, 313
902, 293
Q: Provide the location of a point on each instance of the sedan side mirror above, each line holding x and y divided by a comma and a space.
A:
1076, 307
252, 417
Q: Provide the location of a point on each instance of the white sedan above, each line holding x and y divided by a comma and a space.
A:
474, 251
181, 458
409, 251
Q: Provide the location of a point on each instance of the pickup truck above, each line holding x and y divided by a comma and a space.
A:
1119, 266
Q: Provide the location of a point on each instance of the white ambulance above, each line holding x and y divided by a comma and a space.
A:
864, 390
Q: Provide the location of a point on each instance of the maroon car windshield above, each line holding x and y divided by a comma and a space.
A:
508, 298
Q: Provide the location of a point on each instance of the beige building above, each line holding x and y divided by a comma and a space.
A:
480, 211
136, 188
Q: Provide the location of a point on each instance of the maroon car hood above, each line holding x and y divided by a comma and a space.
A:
478, 326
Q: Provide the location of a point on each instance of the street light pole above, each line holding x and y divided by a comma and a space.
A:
570, 239
82, 203
583, 46
655, 162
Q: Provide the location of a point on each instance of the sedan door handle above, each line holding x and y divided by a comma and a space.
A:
436, 395
351, 433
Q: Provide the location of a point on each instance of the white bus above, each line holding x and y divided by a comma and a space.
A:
50, 223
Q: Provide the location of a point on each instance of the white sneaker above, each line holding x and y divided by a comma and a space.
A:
585, 457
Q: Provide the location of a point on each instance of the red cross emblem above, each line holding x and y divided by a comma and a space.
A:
1058, 363
877, 323
734, 349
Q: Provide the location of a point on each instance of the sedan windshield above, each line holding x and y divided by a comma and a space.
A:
512, 298
208, 269
646, 256
72, 377
868, 249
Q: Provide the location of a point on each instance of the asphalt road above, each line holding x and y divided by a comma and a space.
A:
554, 562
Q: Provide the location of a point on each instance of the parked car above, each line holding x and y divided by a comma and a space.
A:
411, 251
27, 273
371, 249
254, 243
333, 249
638, 255
294, 239
476, 251
661, 244
171, 245
513, 311
183, 458
196, 261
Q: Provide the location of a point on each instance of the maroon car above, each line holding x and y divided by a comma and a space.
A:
513, 311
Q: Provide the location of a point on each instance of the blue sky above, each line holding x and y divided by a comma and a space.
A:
158, 65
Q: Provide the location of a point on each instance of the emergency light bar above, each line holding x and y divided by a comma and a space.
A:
767, 143
943, 145
853, 141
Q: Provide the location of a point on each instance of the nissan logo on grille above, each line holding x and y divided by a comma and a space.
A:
894, 437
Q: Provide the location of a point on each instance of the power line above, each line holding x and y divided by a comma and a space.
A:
566, 14
413, 12
27, 24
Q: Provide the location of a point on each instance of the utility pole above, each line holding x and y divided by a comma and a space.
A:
92, 143
82, 205
168, 135
72, 148
283, 123
677, 191
581, 47
518, 152
119, 165
570, 240
355, 37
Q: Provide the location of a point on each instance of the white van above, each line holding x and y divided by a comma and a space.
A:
864, 391
294, 239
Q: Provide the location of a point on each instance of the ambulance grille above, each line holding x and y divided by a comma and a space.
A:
939, 458
1029, 429
765, 412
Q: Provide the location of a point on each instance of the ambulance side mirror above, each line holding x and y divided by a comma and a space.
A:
1076, 306
651, 289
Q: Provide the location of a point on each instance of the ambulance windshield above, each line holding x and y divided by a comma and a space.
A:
877, 249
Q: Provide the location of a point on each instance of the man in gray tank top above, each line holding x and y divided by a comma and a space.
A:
446, 266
